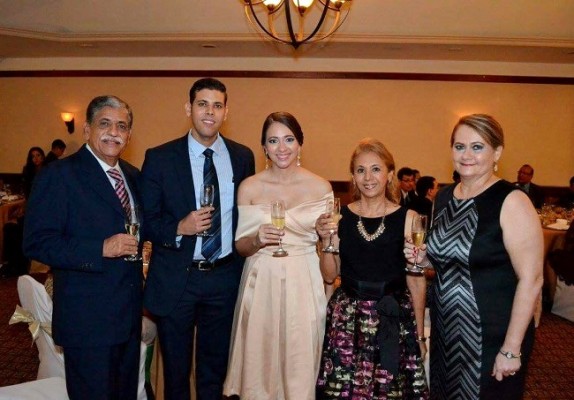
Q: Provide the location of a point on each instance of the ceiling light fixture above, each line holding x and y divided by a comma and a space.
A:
330, 13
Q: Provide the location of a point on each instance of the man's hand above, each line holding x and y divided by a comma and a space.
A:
120, 245
195, 221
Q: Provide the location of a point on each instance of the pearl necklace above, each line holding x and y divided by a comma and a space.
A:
363, 232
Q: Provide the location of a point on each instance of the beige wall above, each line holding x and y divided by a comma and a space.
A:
413, 118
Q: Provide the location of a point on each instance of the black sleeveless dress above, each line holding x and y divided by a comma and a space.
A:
370, 350
472, 301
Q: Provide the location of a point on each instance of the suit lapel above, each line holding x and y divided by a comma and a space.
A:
182, 166
97, 181
236, 163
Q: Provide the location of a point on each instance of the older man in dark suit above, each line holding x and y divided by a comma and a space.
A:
75, 222
524, 182
193, 280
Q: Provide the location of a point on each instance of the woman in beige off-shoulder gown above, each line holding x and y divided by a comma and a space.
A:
280, 312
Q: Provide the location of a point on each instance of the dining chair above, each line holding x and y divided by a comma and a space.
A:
35, 299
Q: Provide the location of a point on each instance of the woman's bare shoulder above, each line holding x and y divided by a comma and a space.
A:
249, 189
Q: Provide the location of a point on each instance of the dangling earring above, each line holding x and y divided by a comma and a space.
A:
266, 159
299, 158
495, 168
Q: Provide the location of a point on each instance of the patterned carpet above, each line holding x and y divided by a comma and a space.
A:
550, 374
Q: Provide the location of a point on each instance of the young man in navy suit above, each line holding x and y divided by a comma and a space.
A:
193, 280
75, 222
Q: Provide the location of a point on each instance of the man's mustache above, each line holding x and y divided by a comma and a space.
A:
107, 138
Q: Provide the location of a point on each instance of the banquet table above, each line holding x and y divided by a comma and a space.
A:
9, 212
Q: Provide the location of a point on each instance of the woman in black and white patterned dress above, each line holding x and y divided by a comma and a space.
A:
486, 247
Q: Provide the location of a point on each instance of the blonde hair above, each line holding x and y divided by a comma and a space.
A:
370, 145
485, 125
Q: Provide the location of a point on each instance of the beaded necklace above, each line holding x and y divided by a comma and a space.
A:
363, 232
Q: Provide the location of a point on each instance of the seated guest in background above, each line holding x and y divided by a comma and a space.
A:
406, 177
417, 174
34, 162
567, 201
75, 222
524, 182
427, 187
58, 149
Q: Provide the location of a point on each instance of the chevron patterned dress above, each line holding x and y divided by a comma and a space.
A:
473, 294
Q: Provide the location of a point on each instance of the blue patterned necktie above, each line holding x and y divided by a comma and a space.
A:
211, 245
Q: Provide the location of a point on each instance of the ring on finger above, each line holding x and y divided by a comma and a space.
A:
513, 373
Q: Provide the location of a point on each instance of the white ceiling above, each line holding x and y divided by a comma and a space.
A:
538, 31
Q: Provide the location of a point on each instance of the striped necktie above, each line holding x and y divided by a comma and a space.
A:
120, 187
211, 245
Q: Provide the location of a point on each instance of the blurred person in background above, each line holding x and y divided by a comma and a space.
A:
57, 151
35, 160
524, 182
567, 201
427, 188
406, 178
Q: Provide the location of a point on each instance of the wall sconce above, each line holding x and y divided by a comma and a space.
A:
68, 119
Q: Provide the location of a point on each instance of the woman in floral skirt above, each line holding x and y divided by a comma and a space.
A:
374, 342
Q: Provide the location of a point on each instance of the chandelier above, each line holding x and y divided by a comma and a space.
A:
330, 15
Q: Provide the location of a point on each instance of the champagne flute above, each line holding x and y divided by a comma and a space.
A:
278, 221
132, 224
206, 198
418, 234
333, 207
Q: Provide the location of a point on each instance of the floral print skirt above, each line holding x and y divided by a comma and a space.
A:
350, 366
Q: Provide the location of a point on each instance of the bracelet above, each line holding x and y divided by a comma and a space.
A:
510, 355
421, 339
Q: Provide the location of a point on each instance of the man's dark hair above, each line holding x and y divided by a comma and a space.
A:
207, 83
405, 171
58, 144
424, 184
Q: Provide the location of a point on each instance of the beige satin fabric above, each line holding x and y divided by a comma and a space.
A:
34, 326
280, 313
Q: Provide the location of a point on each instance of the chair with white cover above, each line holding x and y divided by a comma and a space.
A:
35, 299
149, 333
561, 260
43, 389
563, 304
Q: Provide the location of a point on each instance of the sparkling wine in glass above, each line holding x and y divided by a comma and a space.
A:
333, 207
132, 225
278, 221
418, 235
206, 198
